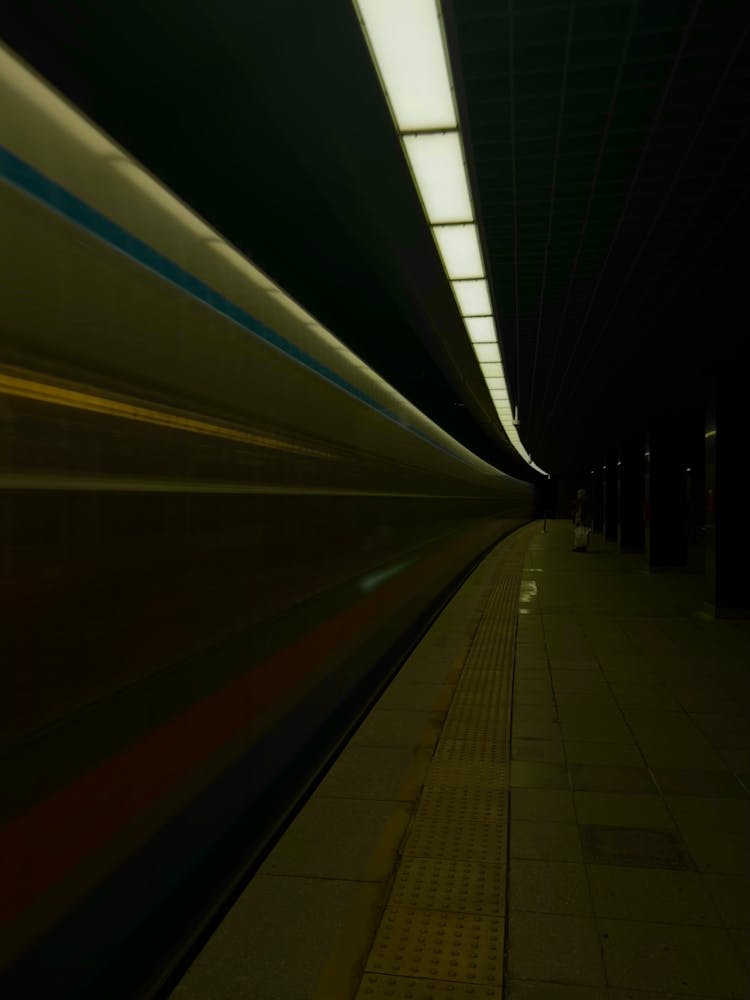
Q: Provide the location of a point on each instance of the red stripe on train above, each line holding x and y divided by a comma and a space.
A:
41, 845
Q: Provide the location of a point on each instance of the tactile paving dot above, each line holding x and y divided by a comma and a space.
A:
376, 987
487, 751
460, 840
476, 715
494, 676
492, 660
459, 724
466, 886
483, 680
496, 697
443, 803
466, 773
438, 944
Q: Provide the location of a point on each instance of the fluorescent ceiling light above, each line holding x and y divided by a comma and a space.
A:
473, 297
481, 329
459, 248
407, 46
437, 163
487, 352
491, 369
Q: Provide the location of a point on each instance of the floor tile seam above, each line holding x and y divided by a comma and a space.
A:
490, 751
494, 630
487, 738
487, 642
600, 931
479, 788
430, 792
473, 857
438, 826
477, 910
596, 916
392, 915
473, 760
481, 796
460, 844
479, 715
412, 829
726, 924
483, 731
452, 862
435, 979
487, 802
436, 912
481, 983
489, 707
507, 735
491, 700
487, 670
661, 794
470, 705
637, 742
589, 892
494, 677
442, 829
469, 656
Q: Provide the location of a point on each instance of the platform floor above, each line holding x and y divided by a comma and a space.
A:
591, 844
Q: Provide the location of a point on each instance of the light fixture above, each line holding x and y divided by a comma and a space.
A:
408, 48
437, 163
406, 44
459, 248
491, 369
473, 297
487, 352
480, 329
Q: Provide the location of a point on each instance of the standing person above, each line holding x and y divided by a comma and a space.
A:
581, 522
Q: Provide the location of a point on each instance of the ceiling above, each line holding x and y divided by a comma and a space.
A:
609, 151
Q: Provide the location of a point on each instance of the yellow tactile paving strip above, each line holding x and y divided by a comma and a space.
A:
442, 931
466, 886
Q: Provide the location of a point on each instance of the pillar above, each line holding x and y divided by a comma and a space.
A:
666, 492
609, 497
631, 493
727, 532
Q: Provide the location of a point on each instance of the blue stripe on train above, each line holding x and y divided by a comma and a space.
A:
31, 181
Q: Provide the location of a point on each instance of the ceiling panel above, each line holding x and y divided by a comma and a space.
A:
608, 148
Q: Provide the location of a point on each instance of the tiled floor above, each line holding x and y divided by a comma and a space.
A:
627, 865
630, 801
403, 842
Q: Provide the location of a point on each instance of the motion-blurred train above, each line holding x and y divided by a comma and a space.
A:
219, 530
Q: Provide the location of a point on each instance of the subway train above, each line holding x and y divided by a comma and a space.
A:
220, 531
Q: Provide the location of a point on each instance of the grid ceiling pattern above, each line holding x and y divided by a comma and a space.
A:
610, 158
